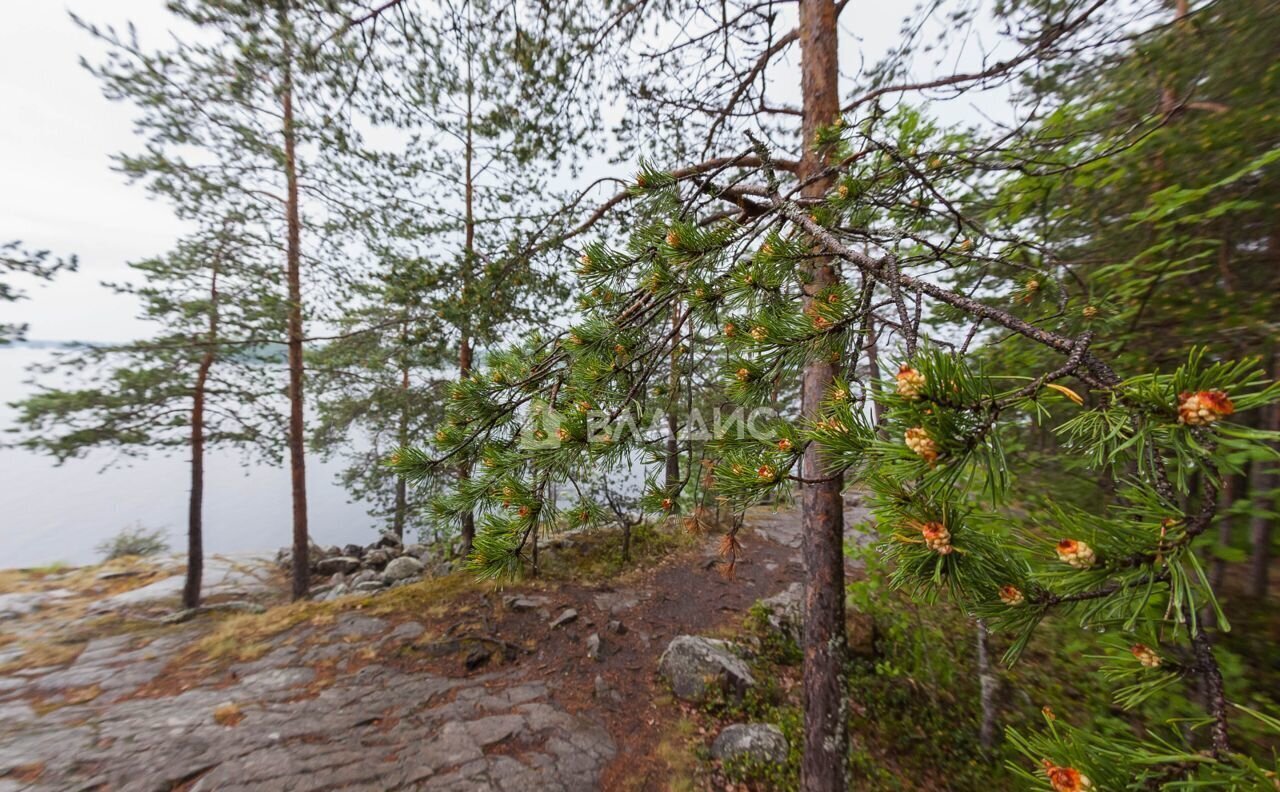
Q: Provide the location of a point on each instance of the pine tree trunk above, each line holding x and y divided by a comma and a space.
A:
1262, 482
673, 421
988, 685
823, 763
195, 507
402, 437
468, 258
297, 460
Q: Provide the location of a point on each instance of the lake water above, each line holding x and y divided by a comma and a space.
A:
52, 513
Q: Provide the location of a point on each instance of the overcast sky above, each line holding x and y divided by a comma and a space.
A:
57, 132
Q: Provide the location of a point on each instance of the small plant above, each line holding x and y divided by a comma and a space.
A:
134, 541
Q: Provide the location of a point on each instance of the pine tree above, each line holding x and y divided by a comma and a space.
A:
256, 112
900, 214
204, 379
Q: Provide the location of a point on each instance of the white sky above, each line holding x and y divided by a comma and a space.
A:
57, 132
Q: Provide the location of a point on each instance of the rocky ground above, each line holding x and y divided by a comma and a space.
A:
442, 684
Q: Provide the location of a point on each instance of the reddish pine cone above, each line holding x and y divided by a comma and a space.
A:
1011, 596
730, 329
910, 382
936, 537
1146, 655
1066, 779
766, 473
1076, 553
919, 441
784, 444
1203, 407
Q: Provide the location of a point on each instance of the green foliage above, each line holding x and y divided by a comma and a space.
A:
135, 541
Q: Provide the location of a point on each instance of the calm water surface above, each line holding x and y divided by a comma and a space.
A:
54, 513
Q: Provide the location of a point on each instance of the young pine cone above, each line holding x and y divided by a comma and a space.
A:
936, 537
1203, 407
1146, 655
1011, 596
1076, 553
919, 441
910, 383
1066, 779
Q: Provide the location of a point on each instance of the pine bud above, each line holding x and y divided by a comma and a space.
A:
585, 261
441, 436
766, 473
843, 191
1089, 311
784, 444
910, 382
730, 330
673, 239
759, 333
523, 511
1203, 407
666, 504
744, 374
1146, 655
562, 434
1076, 553
919, 441
1011, 596
1066, 779
936, 537
584, 406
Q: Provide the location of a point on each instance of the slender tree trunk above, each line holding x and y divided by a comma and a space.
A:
822, 766
402, 437
988, 686
673, 421
1263, 483
468, 259
195, 508
297, 460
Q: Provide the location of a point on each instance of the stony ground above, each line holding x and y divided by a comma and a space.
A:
538, 687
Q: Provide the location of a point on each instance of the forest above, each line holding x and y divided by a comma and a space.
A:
910, 405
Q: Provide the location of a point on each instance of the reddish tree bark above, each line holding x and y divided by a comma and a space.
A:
822, 767
195, 506
293, 253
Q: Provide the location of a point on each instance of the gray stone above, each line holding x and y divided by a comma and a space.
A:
355, 625
378, 558
402, 568
593, 646
22, 603
369, 586
566, 616
338, 564
416, 550
694, 665
335, 592
616, 626
526, 602
784, 612
759, 742
389, 540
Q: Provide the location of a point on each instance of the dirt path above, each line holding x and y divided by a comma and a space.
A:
477, 692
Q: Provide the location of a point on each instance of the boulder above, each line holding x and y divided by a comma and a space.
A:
365, 576
368, 586
353, 550
416, 550
378, 557
784, 611
389, 540
339, 564
402, 568
759, 742
694, 666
